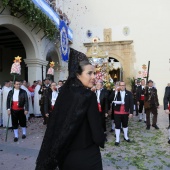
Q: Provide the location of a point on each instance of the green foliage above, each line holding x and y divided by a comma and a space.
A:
33, 16
131, 82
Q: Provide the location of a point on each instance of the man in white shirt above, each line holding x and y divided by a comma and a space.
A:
140, 100
17, 106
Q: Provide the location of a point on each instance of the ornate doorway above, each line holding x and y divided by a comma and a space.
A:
120, 51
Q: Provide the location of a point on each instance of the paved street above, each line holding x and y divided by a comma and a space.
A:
148, 149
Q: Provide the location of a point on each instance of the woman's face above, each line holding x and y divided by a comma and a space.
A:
87, 77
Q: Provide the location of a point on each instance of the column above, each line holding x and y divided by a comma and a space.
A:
35, 69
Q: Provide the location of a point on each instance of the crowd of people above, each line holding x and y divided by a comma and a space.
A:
75, 111
142, 99
31, 98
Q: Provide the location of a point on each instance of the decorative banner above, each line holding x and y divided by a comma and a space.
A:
64, 47
44, 6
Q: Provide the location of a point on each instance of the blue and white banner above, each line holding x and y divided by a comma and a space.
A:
64, 46
44, 6
48, 11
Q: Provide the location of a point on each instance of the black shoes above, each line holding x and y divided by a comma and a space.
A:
15, 139
117, 143
23, 136
148, 128
144, 121
140, 120
169, 141
155, 126
127, 140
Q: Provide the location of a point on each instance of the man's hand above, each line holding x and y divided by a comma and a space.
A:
138, 103
9, 112
47, 114
130, 115
26, 112
167, 111
106, 114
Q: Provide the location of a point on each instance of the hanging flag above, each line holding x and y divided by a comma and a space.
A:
64, 47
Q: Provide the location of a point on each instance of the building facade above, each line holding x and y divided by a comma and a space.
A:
18, 38
144, 23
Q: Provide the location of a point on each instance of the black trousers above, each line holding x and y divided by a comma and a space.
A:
141, 105
155, 115
18, 117
43, 113
103, 121
121, 119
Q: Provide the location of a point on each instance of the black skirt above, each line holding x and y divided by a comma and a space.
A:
84, 159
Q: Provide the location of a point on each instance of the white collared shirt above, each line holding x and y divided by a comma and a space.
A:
15, 95
122, 93
54, 97
98, 95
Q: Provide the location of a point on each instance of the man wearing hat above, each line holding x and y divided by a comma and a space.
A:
151, 104
140, 100
43, 90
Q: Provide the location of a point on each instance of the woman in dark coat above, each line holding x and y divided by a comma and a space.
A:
74, 133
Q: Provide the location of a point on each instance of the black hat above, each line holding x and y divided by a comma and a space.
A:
150, 81
75, 58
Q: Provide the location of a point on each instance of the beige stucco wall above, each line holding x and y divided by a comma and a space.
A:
148, 21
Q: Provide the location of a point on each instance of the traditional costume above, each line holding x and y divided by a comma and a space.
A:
17, 101
74, 132
140, 98
122, 106
167, 106
151, 104
29, 101
5, 92
37, 98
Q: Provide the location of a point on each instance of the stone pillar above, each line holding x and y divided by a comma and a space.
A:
35, 69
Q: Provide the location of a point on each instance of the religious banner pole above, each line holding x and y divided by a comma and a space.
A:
15, 71
148, 72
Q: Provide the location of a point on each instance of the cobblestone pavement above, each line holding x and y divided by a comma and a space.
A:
148, 150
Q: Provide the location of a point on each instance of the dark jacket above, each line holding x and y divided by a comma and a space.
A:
128, 102
104, 100
43, 91
166, 99
47, 100
22, 101
75, 124
139, 92
151, 96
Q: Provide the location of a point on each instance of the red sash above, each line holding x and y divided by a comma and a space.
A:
169, 107
122, 110
99, 107
15, 106
142, 97
52, 107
